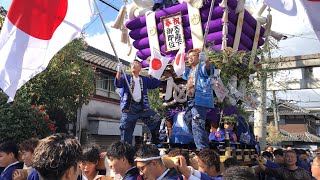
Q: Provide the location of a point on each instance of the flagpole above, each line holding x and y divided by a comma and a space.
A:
204, 41
114, 50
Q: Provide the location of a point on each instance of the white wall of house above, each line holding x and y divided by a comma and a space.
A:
101, 108
105, 121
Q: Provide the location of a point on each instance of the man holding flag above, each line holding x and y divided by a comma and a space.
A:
200, 98
134, 102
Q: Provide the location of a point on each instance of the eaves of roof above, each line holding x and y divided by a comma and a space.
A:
302, 137
102, 59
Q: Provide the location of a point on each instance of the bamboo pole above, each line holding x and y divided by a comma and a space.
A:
114, 50
204, 42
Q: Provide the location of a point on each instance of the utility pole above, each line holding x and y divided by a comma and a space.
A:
275, 110
260, 113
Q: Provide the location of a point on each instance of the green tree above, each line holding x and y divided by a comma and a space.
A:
66, 84
20, 121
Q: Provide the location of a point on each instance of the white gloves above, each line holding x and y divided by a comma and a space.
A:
203, 57
119, 67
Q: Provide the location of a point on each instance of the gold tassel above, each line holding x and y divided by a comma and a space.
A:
268, 26
130, 46
120, 18
124, 34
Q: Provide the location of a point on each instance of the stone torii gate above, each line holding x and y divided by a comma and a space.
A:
306, 63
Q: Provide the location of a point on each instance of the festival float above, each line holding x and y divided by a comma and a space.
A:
231, 35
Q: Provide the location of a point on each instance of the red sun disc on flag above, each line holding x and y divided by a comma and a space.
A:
38, 18
156, 64
179, 58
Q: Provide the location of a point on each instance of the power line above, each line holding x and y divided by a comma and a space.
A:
299, 36
108, 4
315, 92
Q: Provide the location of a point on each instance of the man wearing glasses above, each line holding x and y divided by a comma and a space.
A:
136, 105
151, 166
200, 98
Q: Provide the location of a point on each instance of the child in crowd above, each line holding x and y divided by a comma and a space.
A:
90, 158
9, 153
27, 148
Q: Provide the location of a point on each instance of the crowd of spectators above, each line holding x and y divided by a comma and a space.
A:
61, 157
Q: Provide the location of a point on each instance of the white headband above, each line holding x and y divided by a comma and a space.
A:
147, 159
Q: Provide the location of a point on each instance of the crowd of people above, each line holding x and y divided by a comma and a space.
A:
61, 157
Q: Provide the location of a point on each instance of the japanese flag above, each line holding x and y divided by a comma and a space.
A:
312, 8
288, 7
33, 32
158, 64
179, 64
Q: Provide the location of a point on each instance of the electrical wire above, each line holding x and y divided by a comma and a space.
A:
108, 4
93, 21
299, 36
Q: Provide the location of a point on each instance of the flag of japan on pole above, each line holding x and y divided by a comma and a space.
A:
179, 64
33, 32
312, 8
288, 7
158, 64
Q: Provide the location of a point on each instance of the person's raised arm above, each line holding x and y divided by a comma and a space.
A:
119, 71
204, 58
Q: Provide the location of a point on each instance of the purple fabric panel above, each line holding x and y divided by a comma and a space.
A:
242, 47
140, 22
141, 32
213, 38
217, 13
213, 115
230, 110
145, 63
215, 26
252, 22
145, 53
249, 33
245, 40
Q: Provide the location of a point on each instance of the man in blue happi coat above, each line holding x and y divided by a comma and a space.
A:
136, 105
200, 98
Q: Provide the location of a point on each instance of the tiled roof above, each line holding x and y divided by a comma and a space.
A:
302, 137
294, 113
100, 58
292, 109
